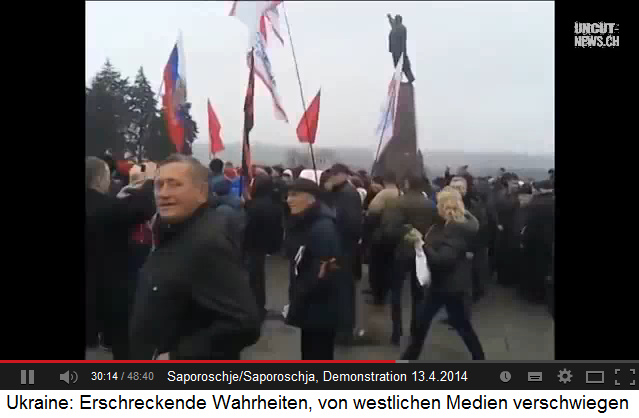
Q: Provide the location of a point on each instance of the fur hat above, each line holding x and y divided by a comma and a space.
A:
306, 186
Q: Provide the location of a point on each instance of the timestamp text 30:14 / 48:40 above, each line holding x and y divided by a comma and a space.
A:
107, 376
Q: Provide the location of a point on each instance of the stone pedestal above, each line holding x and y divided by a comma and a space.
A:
400, 153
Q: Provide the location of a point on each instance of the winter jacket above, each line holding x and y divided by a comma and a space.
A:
232, 215
413, 210
264, 229
312, 239
214, 182
479, 210
344, 200
109, 285
447, 250
194, 298
141, 235
236, 186
539, 234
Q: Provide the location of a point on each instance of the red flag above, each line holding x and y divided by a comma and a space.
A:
215, 139
307, 127
248, 125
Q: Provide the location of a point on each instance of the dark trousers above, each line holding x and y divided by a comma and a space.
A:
507, 253
406, 66
318, 344
116, 336
381, 271
480, 273
403, 269
536, 262
116, 308
454, 304
119, 343
347, 299
256, 264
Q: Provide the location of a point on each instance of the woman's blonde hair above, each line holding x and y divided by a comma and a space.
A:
450, 202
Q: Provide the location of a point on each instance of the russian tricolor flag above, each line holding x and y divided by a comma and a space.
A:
174, 97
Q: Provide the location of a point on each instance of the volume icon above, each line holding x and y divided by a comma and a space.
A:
69, 377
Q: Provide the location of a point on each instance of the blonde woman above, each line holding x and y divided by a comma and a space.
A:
447, 245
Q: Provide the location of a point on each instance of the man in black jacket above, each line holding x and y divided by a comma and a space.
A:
264, 234
231, 207
109, 283
194, 300
315, 270
346, 203
412, 210
537, 241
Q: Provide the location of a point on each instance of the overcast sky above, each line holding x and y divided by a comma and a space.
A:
484, 70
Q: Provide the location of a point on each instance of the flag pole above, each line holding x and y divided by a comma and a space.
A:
299, 82
381, 137
245, 133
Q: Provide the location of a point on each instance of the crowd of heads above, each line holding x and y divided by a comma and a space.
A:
100, 172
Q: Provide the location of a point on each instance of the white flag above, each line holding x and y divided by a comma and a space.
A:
389, 110
273, 17
264, 72
257, 15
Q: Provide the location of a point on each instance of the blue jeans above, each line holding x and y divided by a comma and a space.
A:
454, 304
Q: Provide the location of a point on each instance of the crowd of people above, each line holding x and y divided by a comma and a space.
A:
176, 252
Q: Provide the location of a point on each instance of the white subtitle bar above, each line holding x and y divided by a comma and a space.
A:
336, 404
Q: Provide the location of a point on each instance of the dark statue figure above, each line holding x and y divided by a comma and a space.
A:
397, 45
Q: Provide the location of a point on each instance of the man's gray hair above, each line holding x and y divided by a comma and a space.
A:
200, 173
94, 171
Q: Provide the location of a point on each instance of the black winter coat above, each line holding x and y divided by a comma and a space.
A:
109, 284
233, 216
264, 229
479, 210
194, 299
313, 238
508, 208
539, 234
345, 201
446, 248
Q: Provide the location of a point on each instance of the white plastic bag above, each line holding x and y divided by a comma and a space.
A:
421, 265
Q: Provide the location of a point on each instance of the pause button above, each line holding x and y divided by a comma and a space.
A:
23, 377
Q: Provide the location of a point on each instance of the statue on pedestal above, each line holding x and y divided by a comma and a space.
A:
397, 44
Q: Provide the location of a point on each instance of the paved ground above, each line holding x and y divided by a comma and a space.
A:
509, 329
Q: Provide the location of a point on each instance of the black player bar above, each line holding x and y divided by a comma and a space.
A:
160, 375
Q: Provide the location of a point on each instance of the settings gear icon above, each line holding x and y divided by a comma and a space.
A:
565, 376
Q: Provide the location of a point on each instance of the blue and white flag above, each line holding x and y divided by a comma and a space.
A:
255, 14
386, 124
